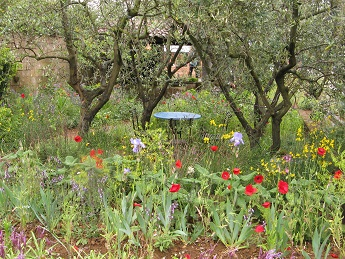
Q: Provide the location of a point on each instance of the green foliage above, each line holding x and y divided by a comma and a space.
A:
8, 68
233, 228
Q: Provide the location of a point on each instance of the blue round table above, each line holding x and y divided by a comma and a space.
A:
173, 117
177, 115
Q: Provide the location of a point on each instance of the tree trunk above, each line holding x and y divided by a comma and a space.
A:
276, 140
146, 117
254, 137
86, 117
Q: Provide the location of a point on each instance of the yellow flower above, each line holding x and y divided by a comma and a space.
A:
206, 140
226, 136
299, 135
213, 123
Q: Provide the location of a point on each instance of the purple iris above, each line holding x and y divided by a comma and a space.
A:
237, 139
136, 142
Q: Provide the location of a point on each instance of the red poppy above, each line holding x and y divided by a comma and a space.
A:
92, 153
338, 174
225, 175
78, 138
250, 190
333, 255
214, 148
99, 151
22, 96
178, 164
321, 151
229, 187
136, 204
259, 228
193, 97
283, 187
266, 204
258, 178
175, 187
236, 171
187, 256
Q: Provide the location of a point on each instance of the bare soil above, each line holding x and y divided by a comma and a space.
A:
203, 248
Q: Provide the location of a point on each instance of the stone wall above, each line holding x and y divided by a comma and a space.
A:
33, 73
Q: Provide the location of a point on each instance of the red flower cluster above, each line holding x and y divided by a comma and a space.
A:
99, 161
93, 152
338, 174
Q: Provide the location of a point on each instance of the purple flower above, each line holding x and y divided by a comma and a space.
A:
2, 250
137, 144
18, 239
126, 171
287, 158
237, 139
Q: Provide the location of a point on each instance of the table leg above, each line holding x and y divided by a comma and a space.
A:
173, 127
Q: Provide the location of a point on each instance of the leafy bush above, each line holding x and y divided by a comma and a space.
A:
8, 68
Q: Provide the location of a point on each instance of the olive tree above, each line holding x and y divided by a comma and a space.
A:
94, 35
269, 49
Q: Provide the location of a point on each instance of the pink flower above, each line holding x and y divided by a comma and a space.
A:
187, 256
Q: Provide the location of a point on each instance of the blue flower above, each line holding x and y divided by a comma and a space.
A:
237, 139
136, 142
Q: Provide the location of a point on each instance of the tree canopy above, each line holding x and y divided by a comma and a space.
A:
268, 49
